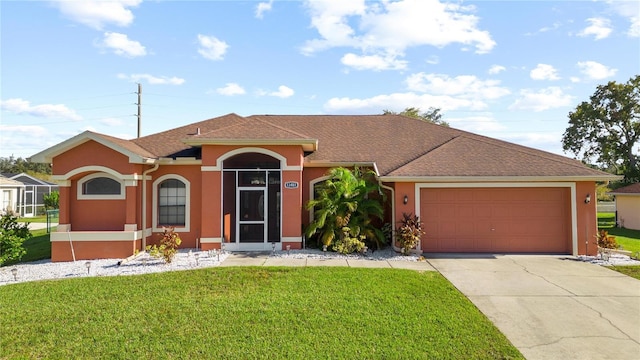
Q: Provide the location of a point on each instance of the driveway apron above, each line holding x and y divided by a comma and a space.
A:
551, 307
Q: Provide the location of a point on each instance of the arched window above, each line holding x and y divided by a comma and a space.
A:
100, 186
172, 200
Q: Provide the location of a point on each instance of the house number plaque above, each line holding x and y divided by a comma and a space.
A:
291, 185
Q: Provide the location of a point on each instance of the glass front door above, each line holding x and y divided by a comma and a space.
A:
251, 215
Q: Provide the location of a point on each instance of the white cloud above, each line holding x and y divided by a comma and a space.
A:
283, 92
463, 86
211, 48
399, 102
112, 122
20, 107
263, 7
496, 69
544, 72
544, 99
631, 11
121, 45
596, 71
386, 29
475, 123
600, 28
548, 141
433, 60
98, 13
231, 89
152, 80
373, 62
32, 131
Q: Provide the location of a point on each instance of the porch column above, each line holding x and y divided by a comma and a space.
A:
211, 236
131, 190
64, 187
292, 208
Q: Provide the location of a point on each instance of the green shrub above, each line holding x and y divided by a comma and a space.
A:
606, 241
12, 236
168, 247
349, 242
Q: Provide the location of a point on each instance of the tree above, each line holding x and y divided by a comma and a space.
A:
345, 206
12, 235
52, 200
19, 165
607, 128
432, 115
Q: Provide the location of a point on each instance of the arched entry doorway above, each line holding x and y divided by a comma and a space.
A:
251, 203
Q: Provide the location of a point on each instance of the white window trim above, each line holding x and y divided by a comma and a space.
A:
312, 193
187, 206
82, 196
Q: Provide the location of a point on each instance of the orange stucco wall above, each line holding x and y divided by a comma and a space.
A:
90, 250
192, 174
292, 205
587, 218
92, 153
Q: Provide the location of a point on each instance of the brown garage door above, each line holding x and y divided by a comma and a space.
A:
496, 220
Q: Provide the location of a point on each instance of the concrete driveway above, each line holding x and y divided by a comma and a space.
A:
552, 307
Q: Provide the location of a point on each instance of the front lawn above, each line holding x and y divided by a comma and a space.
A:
629, 239
248, 313
633, 271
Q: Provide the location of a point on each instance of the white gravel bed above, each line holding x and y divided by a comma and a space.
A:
185, 259
614, 260
386, 254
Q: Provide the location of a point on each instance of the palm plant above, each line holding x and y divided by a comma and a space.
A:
348, 199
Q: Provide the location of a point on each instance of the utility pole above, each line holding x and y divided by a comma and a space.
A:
139, 108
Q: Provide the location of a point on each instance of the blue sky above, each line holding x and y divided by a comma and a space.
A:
512, 70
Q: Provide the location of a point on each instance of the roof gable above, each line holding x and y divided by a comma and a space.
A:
252, 131
135, 153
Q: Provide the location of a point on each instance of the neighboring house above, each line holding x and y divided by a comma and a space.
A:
242, 183
31, 201
628, 206
11, 191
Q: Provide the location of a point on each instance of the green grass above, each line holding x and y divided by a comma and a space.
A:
38, 247
606, 220
633, 271
629, 239
248, 313
35, 219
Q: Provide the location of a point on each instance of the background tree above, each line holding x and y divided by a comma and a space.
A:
432, 115
51, 200
607, 128
18, 165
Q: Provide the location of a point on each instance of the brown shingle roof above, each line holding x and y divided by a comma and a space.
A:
400, 146
629, 189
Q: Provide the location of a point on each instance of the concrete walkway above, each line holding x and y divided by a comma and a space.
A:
552, 307
263, 259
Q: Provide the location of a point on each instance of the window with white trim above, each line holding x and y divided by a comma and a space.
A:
172, 202
100, 186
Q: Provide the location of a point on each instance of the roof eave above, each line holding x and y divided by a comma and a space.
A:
332, 164
307, 144
458, 179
